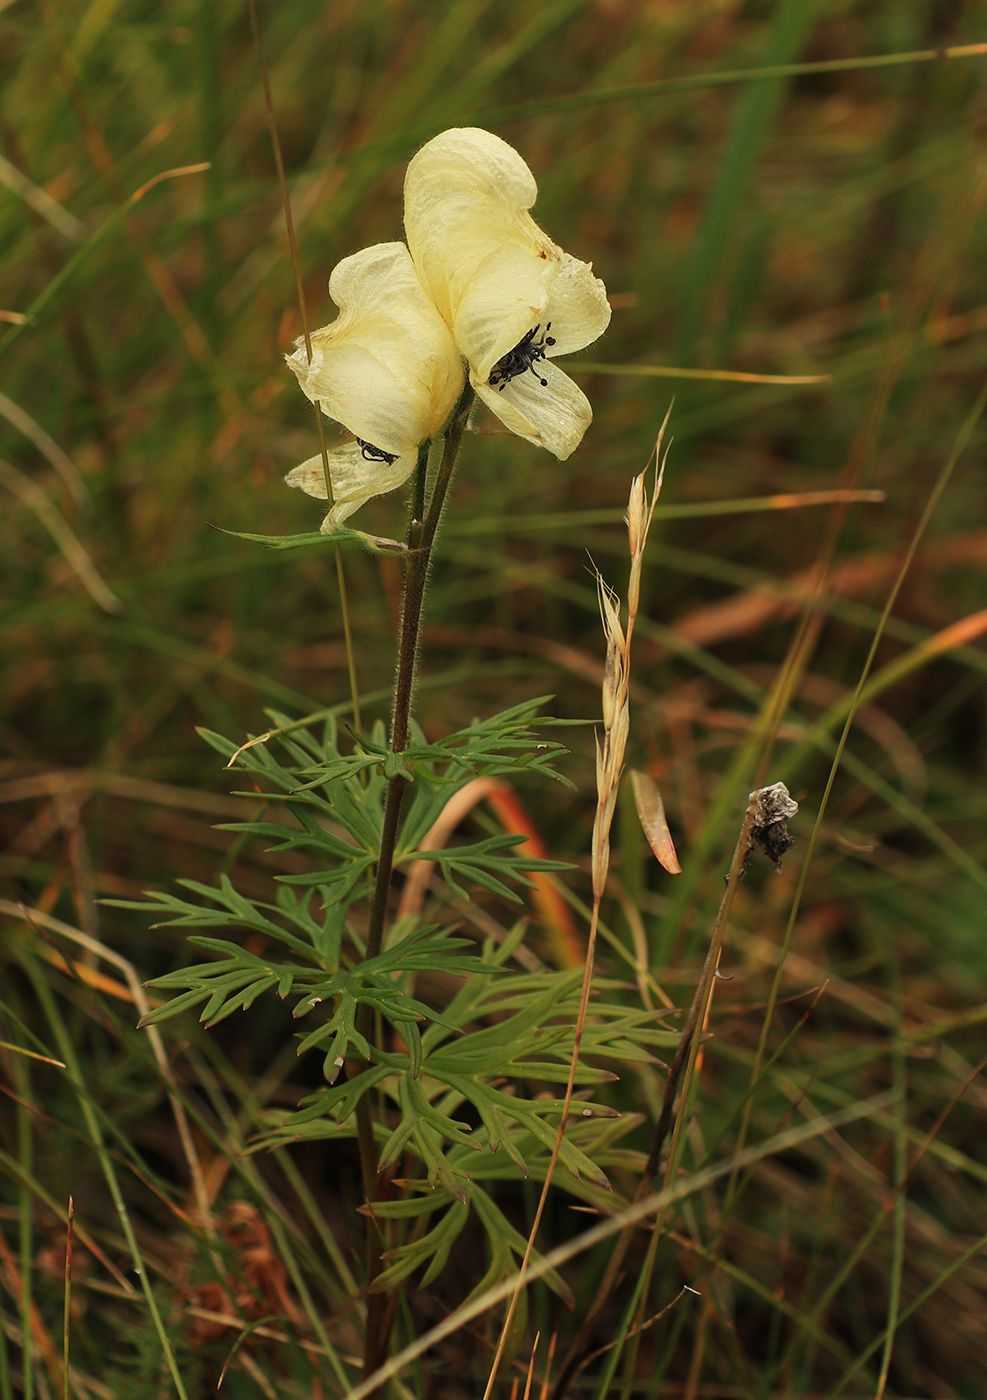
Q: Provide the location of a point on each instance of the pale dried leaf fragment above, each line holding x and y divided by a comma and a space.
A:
651, 814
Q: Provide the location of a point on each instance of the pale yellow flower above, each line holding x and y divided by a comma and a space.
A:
387, 370
512, 299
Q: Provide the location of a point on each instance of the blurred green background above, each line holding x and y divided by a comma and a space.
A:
825, 224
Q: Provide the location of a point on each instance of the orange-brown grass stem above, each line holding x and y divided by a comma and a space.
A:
685, 1054
303, 312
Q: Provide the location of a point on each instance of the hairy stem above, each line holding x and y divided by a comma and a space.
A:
421, 538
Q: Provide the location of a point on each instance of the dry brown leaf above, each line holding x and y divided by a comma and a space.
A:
651, 812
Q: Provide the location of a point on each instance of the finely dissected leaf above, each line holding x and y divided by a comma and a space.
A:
339, 886
311, 836
238, 977
529, 1038
341, 1033
505, 743
503, 1236
432, 1248
234, 913
329, 1112
528, 1114
479, 862
428, 949
457, 1088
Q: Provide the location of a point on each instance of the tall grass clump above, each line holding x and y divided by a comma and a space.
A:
409, 990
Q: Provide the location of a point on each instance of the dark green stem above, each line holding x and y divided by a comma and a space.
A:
418, 483
421, 538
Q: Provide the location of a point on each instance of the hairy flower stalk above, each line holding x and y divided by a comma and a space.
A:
512, 299
386, 369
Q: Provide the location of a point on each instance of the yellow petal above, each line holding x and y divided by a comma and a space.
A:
466, 195
510, 295
577, 307
355, 477
503, 301
554, 415
387, 369
356, 389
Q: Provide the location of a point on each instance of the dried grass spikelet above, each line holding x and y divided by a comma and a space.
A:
609, 765
617, 670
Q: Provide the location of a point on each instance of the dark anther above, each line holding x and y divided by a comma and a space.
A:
369, 453
524, 356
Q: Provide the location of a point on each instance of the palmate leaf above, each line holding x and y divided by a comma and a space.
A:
431, 949
348, 766
317, 940
494, 740
432, 1249
504, 743
310, 836
235, 911
505, 1242
533, 1015
238, 977
512, 1030
230, 984
427, 1117
328, 796
598, 1138
340, 1037
342, 802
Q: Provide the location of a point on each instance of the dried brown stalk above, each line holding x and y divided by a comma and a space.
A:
609, 766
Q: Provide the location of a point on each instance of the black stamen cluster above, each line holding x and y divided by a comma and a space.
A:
369, 453
524, 356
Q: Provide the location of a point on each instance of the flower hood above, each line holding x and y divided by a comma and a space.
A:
387, 369
511, 297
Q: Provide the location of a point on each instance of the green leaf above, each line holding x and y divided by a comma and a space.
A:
504, 743
289, 839
374, 544
434, 1246
478, 862
500, 1233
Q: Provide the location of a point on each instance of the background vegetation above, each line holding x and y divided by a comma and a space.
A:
830, 223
